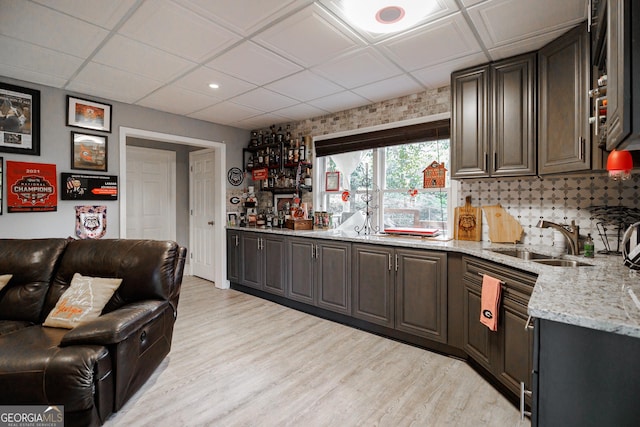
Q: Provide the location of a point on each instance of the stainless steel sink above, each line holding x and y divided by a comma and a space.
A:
522, 254
555, 262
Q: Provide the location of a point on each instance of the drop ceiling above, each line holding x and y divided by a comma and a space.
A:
275, 61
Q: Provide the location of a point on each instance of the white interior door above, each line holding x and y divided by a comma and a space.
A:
151, 194
202, 201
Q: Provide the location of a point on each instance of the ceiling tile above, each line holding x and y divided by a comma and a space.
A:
526, 45
389, 88
340, 101
134, 57
177, 100
37, 64
103, 13
300, 112
47, 28
444, 40
259, 122
199, 80
264, 100
358, 68
254, 63
440, 75
304, 86
469, 3
174, 29
225, 113
243, 16
500, 22
324, 37
106, 82
441, 8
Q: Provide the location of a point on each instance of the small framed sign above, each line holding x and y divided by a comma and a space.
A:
88, 187
333, 181
88, 152
85, 114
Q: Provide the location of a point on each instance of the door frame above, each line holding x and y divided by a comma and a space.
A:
220, 270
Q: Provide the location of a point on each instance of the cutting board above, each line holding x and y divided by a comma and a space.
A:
503, 228
468, 222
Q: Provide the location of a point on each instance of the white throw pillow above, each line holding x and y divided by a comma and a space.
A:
82, 301
4, 279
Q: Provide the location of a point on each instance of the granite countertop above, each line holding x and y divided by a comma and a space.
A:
604, 296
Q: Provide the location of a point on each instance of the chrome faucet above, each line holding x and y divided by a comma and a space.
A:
570, 232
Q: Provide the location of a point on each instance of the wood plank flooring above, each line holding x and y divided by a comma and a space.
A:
238, 360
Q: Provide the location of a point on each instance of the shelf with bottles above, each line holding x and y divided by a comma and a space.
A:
599, 118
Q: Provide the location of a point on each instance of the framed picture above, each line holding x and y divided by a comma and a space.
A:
333, 181
1, 182
88, 152
279, 200
33, 187
88, 187
19, 120
82, 113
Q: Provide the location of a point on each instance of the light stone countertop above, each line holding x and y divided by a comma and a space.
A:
604, 296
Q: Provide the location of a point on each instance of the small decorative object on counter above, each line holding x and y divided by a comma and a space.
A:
588, 247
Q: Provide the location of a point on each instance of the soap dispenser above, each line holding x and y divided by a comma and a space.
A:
588, 247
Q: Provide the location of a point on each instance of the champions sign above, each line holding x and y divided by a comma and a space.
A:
31, 187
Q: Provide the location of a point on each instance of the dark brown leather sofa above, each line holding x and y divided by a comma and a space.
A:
96, 367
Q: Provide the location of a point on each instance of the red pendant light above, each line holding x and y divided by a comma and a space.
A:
619, 164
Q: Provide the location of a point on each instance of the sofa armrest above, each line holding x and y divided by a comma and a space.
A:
115, 326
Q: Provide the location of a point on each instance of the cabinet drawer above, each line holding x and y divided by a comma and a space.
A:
518, 284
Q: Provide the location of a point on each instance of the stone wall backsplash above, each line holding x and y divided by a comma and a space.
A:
558, 199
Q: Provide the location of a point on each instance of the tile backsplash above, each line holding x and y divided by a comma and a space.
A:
558, 199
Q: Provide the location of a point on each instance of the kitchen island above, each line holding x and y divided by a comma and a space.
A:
596, 302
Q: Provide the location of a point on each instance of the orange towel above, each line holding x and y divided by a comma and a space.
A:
491, 289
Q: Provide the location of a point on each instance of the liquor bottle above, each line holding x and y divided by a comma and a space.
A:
250, 163
296, 151
307, 178
302, 150
287, 137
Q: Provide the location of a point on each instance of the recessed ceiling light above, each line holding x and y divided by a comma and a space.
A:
214, 85
387, 16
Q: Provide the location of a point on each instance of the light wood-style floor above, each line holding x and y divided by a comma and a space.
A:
238, 360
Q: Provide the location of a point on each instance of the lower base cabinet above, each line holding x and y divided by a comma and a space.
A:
508, 352
263, 260
584, 377
402, 289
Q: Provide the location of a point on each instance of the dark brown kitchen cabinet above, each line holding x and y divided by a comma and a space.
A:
623, 66
320, 273
402, 289
494, 119
263, 258
564, 136
234, 261
508, 352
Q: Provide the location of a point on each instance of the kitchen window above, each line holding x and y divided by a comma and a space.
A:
394, 174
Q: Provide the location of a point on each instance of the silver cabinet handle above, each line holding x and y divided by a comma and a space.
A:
529, 325
523, 393
237, 240
495, 161
313, 251
390, 262
485, 161
317, 252
581, 148
396, 262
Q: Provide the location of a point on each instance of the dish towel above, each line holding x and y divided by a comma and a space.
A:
491, 290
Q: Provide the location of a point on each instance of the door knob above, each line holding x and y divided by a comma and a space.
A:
210, 222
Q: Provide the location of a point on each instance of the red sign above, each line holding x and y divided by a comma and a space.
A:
260, 174
31, 187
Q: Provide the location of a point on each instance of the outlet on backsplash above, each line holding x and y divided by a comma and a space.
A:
557, 199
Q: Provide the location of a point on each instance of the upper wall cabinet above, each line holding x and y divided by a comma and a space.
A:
564, 143
623, 66
494, 119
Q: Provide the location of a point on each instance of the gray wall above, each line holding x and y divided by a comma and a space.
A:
55, 148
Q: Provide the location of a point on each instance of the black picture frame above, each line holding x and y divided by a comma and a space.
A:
87, 114
19, 120
89, 152
1, 182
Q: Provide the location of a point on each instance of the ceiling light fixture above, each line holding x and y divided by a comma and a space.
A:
619, 164
214, 86
387, 16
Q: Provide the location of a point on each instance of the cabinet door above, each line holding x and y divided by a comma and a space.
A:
373, 275
274, 264
333, 268
421, 294
233, 256
515, 360
513, 130
300, 279
477, 337
564, 143
252, 263
469, 123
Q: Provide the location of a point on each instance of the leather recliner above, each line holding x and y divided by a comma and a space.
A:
94, 368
